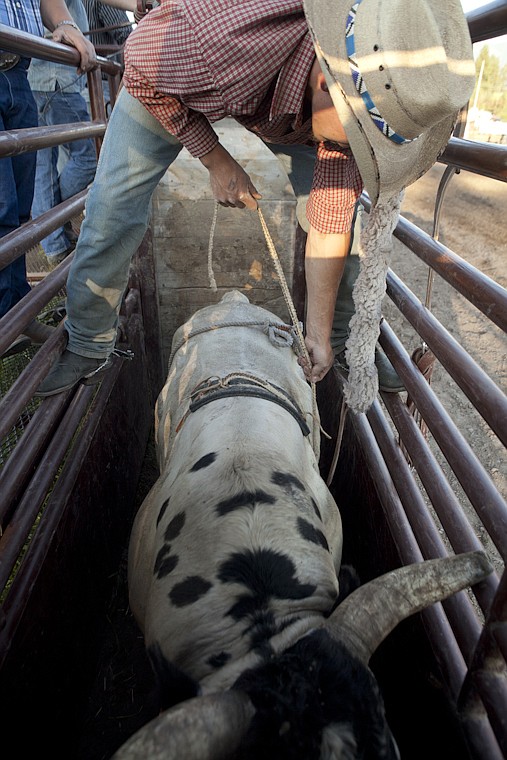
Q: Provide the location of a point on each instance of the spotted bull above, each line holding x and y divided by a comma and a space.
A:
234, 563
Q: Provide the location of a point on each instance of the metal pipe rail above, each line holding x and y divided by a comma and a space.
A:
413, 476
17, 141
422, 509
30, 46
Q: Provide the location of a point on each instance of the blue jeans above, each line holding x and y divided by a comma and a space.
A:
51, 186
17, 174
135, 156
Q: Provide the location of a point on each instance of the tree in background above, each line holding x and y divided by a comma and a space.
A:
492, 83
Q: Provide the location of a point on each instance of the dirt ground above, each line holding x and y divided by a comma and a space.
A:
473, 226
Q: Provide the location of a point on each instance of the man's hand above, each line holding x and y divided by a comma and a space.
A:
230, 184
69, 35
322, 359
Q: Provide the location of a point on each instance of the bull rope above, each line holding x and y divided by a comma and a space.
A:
300, 342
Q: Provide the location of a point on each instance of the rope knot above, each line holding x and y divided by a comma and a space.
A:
279, 334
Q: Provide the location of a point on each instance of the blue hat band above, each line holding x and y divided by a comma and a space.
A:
360, 85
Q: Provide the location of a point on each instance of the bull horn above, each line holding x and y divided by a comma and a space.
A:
209, 727
366, 617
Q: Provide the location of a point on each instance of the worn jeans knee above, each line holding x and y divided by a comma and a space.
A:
135, 155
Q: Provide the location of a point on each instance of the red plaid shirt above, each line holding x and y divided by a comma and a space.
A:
193, 62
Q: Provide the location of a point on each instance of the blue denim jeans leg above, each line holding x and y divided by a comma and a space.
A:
17, 111
79, 157
135, 155
299, 163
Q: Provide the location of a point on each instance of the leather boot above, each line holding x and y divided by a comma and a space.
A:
69, 370
35, 334
38, 332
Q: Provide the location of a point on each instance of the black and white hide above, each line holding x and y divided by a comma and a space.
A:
234, 563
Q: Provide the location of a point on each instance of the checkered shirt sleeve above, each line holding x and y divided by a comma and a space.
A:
190, 127
336, 188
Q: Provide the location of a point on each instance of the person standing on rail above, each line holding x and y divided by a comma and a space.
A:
62, 170
18, 110
356, 95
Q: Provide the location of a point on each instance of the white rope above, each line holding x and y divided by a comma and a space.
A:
211, 276
295, 322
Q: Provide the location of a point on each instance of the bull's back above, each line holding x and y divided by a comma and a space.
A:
242, 542
240, 537
233, 336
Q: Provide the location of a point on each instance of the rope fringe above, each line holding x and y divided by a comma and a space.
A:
211, 276
361, 387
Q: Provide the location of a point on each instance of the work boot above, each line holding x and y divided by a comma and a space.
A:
35, 334
70, 233
17, 346
38, 332
69, 370
57, 259
388, 379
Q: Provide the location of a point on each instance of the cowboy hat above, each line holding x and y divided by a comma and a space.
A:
398, 72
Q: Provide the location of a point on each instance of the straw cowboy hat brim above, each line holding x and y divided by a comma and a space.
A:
415, 61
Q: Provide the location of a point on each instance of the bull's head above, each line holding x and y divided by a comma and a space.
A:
221, 725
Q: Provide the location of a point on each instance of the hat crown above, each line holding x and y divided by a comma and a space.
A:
415, 59
398, 84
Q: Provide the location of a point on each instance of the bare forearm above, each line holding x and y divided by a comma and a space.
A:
124, 5
324, 262
54, 11
57, 18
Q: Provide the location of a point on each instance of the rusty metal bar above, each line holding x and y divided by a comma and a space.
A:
483, 292
481, 739
21, 240
447, 652
31, 233
31, 46
443, 499
18, 529
19, 592
488, 672
458, 608
494, 635
97, 105
12, 324
487, 159
19, 466
22, 390
16, 141
487, 398
474, 479
441, 637
488, 22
